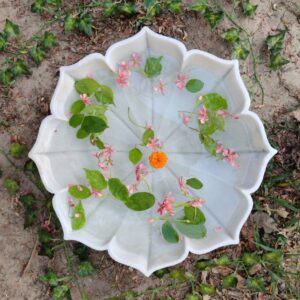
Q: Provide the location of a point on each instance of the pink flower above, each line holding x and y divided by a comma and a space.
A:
182, 186
132, 188
105, 157
141, 172
124, 68
154, 144
85, 99
148, 126
230, 156
122, 79
185, 119
71, 202
107, 151
202, 115
103, 165
95, 193
225, 114
219, 148
197, 202
166, 205
160, 87
181, 81
135, 60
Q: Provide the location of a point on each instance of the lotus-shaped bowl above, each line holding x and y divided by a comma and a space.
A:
127, 235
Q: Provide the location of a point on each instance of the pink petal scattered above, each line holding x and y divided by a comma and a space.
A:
154, 144
160, 87
85, 99
166, 205
141, 171
202, 115
183, 187
181, 81
185, 118
135, 60
122, 79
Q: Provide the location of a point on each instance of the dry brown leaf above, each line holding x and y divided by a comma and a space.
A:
255, 269
296, 114
224, 271
263, 220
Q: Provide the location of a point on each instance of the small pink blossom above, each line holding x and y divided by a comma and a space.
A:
166, 205
154, 144
230, 156
122, 79
218, 228
202, 115
132, 188
135, 60
160, 87
182, 186
197, 202
71, 202
141, 172
181, 81
225, 114
148, 126
107, 151
124, 68
185, 118
103, 166
219, 148
79, 188
95, 193
85, 99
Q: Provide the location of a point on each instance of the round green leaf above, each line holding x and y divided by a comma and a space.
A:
105, 95
93, 124
194, 183
81, 134
76, 120
118, 189
135, 155
192, 231
153, 66
77, 107
95, 179
140, 201
209, 143
95, 110
86, 86
194, 85
169, 233
78, 221
214, 102
148, 134
229, 282
80, 193
194, 215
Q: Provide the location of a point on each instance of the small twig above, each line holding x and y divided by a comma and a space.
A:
30, 258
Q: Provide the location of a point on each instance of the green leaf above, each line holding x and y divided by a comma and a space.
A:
274, 257
109, 9
49, 40
78, 221
50, 278
37, 54
275, 42
69, 23
223, 261
81, 250
93, 124
127, 9
207, 289
209, 143
17, 150
11, 29
44, 236
96, 111
84, 24
28, 201
213, 17
199, 6
213, 124
232, 35
6, 77
86, 86
194, 183
59, 292
29, 218
11, 186
135, 155
256, 283
169, 233
153, 66
248, 8
240, 51
178, 275
193, 231
161, 273
118, 189
81, 134
194, 85
250, 259
76, 120
229, 281
174, 6
277, 61
37, 6
148, 134
96, 141
79, 193
204, 264
140, 201
3, 42
95, 179
85, 268
54, 2
20, 67
105, 95
214, 102
194, 215
77, 107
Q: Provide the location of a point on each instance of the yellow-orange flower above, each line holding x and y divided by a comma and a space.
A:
158, 159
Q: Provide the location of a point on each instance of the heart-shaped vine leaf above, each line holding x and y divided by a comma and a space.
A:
6, 77
84, 24
118, 189
140, 201
148, 134
248, 8
37, 54
85, 268
275, 42
193, 231
20, 67
79, 191
214, 102
105, 95
81, 134
95, 179
76, 120
213, 17
232, 35
153, 66
194, 85
86, 86
277, 61
77, 107
194, 183
199, 6
69, 23
240, 51
93, 124
135, 155
128, 9
194, 215
209, 143
38, 6
11, 29
169, 233
49, 40
78, 220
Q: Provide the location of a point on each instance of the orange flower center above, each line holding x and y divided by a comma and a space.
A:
158, 159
